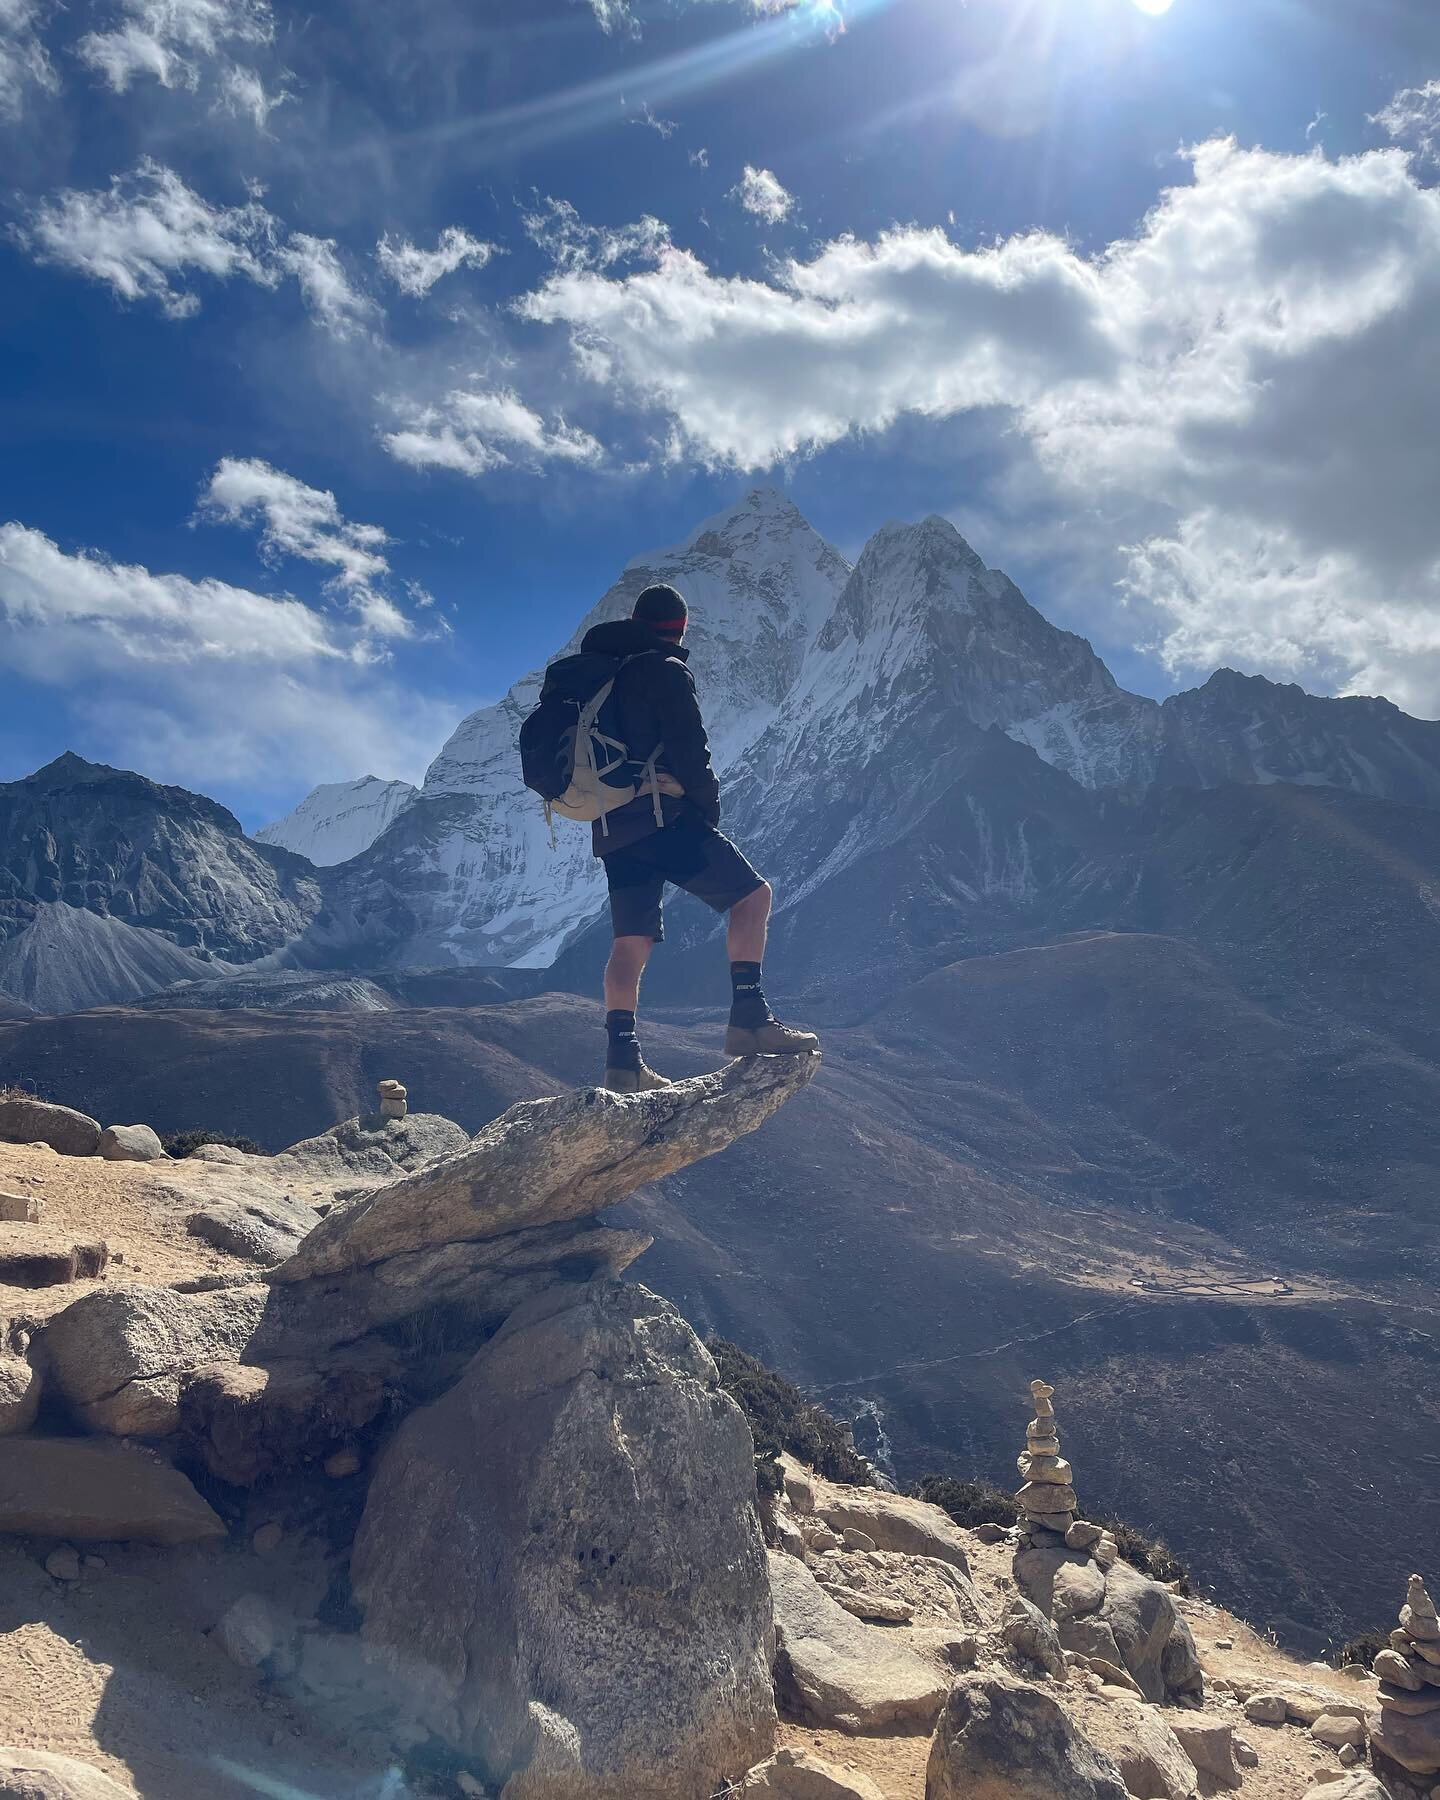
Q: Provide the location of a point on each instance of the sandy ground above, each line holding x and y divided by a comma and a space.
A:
139, 1209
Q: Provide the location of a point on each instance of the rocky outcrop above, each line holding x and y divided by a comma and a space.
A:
832, 1669
262, 1230
548, 1162
257, 1373
1408, 1731
27, 1121
96, 1492
616, 1533
891, 1522
373, 1147
1002, 1739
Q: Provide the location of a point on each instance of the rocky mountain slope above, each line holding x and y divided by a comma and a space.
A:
339, 819
1103, 1146
428, 1502
128, 886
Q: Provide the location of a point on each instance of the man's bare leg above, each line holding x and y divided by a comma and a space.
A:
749, 925
625, 1070
623, 971
753, 1029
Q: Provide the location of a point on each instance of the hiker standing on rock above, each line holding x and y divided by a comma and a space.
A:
618, 739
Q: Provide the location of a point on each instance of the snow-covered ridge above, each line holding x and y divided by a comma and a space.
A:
339, 819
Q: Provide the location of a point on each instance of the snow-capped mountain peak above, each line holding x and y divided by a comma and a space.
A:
470, 864
339, 819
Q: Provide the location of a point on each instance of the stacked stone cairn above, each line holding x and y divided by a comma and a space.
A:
394, 1099
1409, 1675
1048, 1501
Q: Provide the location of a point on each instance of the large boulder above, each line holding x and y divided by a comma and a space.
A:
585, 1612
27, 1121
831, 1669
893, 1522
131, 1143
78, 1488
1002, 1739
1141, 1614
120, 1355
550, 1161
33, 1256
44, 1775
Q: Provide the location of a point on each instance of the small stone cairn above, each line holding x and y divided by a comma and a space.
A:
1048, 1501
1409, 1675
394, 1099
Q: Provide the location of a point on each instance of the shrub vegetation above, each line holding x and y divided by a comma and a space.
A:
781, 1418
184, 1143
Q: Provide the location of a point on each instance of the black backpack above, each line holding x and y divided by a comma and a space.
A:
571, 753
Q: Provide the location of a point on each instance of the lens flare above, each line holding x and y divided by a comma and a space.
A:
1154, 7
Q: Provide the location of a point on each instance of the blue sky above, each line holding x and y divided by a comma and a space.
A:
348, 352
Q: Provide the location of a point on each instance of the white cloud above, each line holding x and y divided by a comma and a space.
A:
761, 193
201, 681
647, 116
614, 15
325, 287
1254, 371
415, 271
473, 431
557, 228
181, 42
24, 63
1413, 117
1228, 591
243, 91
305, 522
147, 232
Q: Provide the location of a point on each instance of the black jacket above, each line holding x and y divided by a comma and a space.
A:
656, 704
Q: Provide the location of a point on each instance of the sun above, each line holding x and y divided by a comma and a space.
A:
1154, 7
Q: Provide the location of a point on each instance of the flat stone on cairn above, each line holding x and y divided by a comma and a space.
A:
394, 1099
1409, 1728
1047, 1500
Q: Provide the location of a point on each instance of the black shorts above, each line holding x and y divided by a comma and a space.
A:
691, 855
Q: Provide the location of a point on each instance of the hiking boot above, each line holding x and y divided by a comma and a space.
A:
770, 1039
634, 1081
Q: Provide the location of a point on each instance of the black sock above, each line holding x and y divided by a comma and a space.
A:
622, 1050
748, 1006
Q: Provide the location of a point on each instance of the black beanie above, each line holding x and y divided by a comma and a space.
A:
662, 609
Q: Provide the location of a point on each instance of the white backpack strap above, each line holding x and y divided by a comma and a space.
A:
650, 782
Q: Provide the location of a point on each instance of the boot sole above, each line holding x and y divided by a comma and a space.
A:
742, 1042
